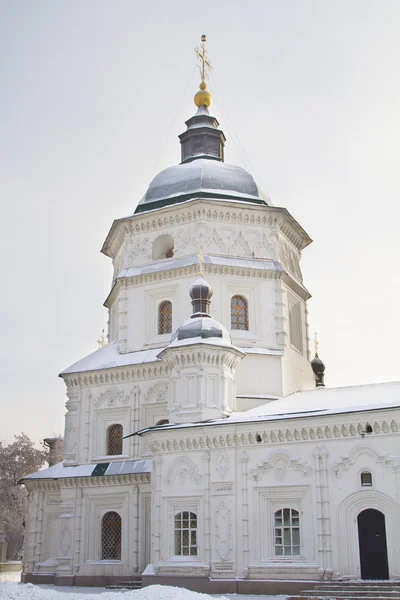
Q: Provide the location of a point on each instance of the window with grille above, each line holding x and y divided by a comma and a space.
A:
111, 533
295, 324
114, 439
162, 422
165, 317
287, 532
366, 479
239, 313
186, 534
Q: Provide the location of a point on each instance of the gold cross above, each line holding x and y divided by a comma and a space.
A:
102, 340
201, 261
204, 61
316, 344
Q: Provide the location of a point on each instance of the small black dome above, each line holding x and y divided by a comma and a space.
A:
318, 368
201, 328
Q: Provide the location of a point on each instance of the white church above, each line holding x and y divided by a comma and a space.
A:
202, 448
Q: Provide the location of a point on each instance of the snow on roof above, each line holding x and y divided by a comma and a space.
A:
28, 591
109, 356
121, 467
311, 403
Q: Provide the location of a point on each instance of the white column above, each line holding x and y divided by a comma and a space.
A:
244, 459
207, 517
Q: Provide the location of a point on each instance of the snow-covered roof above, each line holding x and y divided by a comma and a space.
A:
120, 467
109, 356
312, 403
193, 259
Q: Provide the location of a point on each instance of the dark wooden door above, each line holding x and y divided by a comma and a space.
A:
372, 541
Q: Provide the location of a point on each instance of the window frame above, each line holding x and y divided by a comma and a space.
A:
159, 316
191, 516
102, 535
291, 528
366, 472
109, 440
246, 305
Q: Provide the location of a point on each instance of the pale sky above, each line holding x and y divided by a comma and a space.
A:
307, 91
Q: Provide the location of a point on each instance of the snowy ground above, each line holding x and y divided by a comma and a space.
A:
11, 590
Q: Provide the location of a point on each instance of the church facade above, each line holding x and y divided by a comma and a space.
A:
201, 446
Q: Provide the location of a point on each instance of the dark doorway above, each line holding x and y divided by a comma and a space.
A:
372, 541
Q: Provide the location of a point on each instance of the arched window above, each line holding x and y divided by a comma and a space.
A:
162, 422
114, 440
366, 479
287, 532
165, 317
111, 533
186, 534
163, 247
239, 313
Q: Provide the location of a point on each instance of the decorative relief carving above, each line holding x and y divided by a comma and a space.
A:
65, 539
157, 393
345, 462
111, 397
223, 531
222, 464
289, 258
142, 247
183, 468
279, 463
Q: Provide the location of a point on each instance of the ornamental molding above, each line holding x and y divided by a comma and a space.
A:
223, 526
192, 270
117, 375
112, 397
179, 358
55, 485
212, 211
183, 468
270, 437
344, 463
223, 464
279, 462
157, 393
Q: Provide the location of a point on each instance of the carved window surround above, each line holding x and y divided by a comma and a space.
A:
172, 506
267, 501
153, 299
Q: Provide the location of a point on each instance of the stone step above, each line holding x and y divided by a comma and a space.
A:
357, 592
332, 594
361, 584
125, 585
366, 588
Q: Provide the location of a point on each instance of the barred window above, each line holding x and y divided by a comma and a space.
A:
111, 533
295, 324
239, 313
186, 534
114, 440
162, 422
287, 532
165, 317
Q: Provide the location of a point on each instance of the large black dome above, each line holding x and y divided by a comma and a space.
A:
203, 178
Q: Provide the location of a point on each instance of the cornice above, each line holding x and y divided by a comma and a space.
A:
192, 270
247, 434
215, 211
117, 375
54, 485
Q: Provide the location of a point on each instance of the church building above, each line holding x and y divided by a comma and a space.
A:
202, 447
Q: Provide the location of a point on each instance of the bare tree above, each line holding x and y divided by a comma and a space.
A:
16, 460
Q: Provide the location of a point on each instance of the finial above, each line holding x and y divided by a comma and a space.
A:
200, 256
203, 97
102, 340
316, 343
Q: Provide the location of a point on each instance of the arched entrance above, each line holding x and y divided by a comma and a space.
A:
372, 543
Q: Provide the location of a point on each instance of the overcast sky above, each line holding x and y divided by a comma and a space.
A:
93, 96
